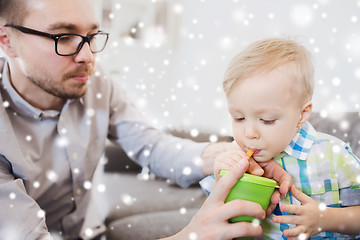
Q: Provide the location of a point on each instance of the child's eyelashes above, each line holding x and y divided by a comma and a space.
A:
237, 119
268, 122
264, 121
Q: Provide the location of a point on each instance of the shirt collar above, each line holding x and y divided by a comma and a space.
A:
300, 145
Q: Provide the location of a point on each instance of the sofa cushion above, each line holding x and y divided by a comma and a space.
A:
150, 226
345, 126
126, 195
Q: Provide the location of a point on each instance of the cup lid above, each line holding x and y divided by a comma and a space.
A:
255, 179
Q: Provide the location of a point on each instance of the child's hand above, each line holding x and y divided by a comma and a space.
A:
274, 171
227, 160
308, 218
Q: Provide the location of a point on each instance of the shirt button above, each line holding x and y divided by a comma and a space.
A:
78, 191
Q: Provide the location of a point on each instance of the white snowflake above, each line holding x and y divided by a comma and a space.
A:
41, 213
336, 149
87, 185
194, 132
213, 138
6, 104
187, 171
255, 222
322, 206
302, 236
12, 196
90, 112
193, 236
344, 125
301, 15
52, 176
62, 142
336, 81
182, 210
89, 232
101, 188
226, 43
36, 184
127, 199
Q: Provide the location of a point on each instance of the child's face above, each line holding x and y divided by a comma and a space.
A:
265, 114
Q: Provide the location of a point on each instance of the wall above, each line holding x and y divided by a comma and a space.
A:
179, 84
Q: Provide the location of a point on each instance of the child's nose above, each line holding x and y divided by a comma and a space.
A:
251, 131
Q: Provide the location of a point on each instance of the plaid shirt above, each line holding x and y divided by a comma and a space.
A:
324, 168
321, 166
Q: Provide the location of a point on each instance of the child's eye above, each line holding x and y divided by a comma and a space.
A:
238, 119
268, 122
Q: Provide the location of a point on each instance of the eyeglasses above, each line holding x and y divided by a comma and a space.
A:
67, 44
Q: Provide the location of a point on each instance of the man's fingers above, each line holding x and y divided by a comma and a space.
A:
236, 208
243, 229
275, 199
222, 166
224, 185
270, 208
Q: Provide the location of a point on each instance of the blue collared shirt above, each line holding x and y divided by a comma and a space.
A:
48, 157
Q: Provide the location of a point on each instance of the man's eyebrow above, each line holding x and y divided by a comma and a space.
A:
68, 26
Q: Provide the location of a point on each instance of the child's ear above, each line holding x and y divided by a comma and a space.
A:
5, 43
305, 113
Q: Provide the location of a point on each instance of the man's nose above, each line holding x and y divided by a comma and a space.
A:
85, 54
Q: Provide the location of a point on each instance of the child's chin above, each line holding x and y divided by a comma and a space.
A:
261, 159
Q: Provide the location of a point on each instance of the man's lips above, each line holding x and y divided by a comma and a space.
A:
81, 77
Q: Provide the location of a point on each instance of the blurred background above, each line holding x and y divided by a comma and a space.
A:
170, 55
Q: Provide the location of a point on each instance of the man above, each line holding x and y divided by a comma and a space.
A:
57, 111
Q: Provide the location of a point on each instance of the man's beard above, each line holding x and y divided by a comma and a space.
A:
58, 89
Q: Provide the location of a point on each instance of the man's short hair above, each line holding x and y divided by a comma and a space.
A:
13, 11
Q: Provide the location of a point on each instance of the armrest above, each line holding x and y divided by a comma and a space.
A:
118, 161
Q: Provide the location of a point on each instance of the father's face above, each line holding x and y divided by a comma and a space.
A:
62, 76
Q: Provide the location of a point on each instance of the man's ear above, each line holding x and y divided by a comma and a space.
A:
305, 113
5, 43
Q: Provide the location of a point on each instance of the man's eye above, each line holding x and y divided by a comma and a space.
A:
268, 122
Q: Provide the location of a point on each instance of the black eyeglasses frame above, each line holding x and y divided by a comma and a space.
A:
56, 37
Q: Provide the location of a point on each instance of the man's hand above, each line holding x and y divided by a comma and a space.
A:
211, 221
229, 154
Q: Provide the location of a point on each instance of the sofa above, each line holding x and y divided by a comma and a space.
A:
137, 205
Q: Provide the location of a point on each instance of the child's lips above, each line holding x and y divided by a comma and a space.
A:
256, 151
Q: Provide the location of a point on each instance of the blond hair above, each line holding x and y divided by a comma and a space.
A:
266, 55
